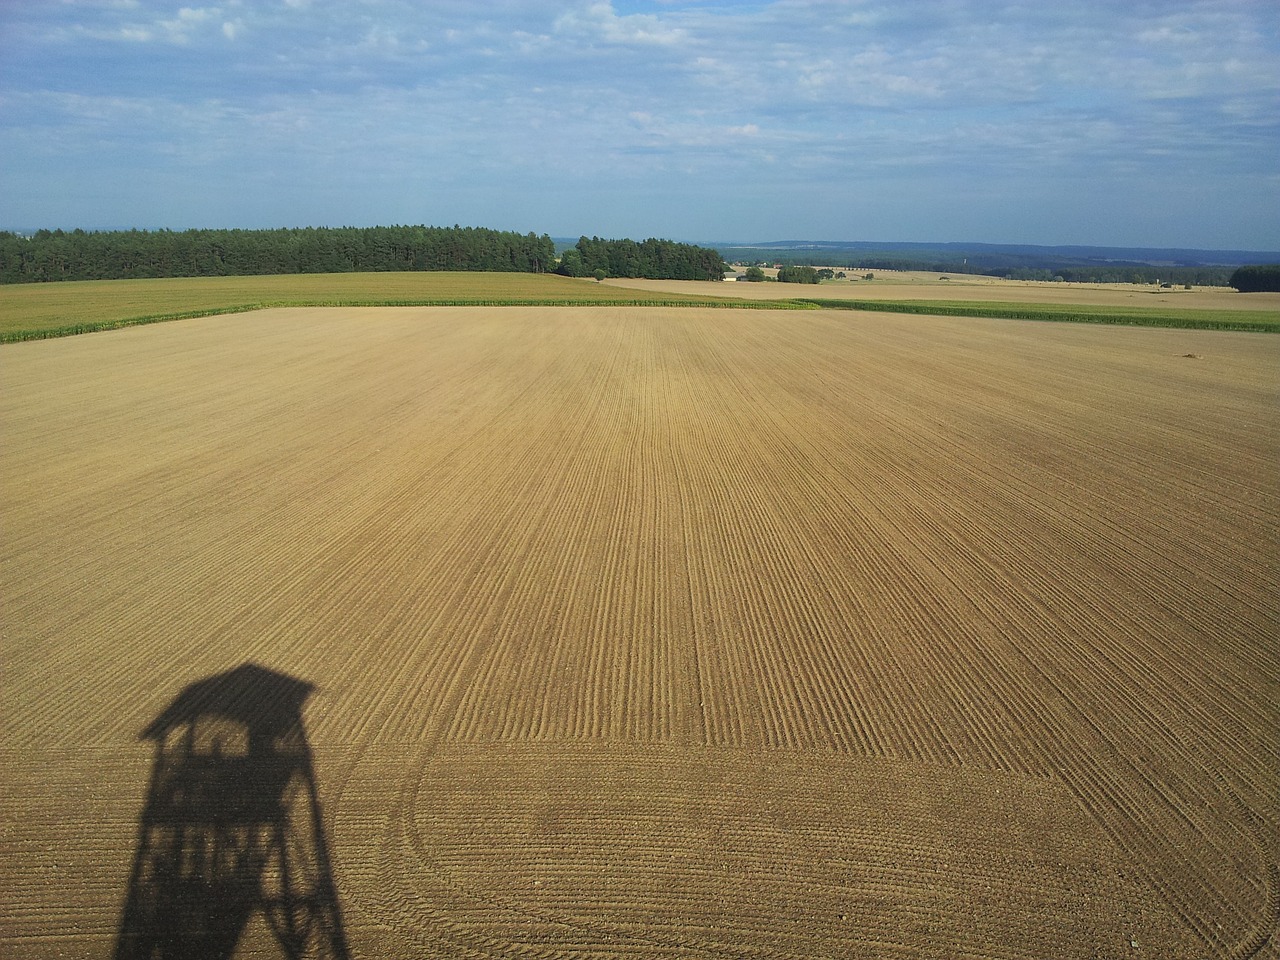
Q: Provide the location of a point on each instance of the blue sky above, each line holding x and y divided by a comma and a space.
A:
1094, 122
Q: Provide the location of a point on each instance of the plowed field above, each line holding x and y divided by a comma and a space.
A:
641, 632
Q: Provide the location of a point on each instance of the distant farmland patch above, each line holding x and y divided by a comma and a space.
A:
1189, 318
40, 310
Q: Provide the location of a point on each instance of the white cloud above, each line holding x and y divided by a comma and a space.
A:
178, 30
189, 20
817, 91
600, 21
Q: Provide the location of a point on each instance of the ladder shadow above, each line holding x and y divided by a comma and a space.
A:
231, 827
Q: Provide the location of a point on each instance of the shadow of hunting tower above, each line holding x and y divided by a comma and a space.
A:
231, 827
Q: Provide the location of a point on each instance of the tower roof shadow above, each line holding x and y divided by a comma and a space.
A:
265, 701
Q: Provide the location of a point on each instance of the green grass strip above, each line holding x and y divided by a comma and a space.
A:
1241, 320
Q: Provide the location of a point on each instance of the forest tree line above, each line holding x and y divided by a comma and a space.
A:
1202, 276
1257, 278
124, 254
129, 254
652, 259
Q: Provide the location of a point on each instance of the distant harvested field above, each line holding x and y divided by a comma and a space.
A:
32, 310
889, 285
646, 632
1245, 320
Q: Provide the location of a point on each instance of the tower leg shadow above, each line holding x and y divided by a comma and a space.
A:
231, 827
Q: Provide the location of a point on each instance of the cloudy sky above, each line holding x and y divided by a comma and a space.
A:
1123, 122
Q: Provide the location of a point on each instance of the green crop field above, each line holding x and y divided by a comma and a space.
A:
39, 310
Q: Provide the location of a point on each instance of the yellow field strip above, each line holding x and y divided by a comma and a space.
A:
33, 311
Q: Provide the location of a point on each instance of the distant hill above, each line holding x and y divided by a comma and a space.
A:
1019, 261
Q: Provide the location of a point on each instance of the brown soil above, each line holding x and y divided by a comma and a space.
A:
652, 632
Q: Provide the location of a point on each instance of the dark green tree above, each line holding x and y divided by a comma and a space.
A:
1257, 278
653, 259
571, 264
797, 275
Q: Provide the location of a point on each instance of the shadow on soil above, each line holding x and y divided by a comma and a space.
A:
231, 827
